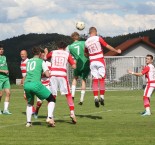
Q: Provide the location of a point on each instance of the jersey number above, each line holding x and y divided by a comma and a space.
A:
31, 66
78, 49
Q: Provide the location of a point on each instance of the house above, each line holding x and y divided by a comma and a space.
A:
132, 57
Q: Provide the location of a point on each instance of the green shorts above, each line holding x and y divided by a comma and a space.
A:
83, 72
35, 88
4, 84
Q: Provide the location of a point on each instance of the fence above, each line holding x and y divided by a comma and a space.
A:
116, 73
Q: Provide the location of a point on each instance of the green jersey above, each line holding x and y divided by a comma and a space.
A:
77, 50
3, 66
34, 68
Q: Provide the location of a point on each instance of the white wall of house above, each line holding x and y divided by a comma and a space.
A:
139, 49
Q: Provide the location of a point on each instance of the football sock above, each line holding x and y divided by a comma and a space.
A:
102, 87
6, 105
50, 107
70, 102
102, 96
72, 112
29, 113
39, 104
146, 102
73, 90
95, 87
33, 109
82, 95
147, 109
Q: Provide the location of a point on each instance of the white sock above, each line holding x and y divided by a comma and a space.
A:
29, 113
82, 95
148, 109
50, 107
95, 97
6, 105
72, 112
102, 96
73, 90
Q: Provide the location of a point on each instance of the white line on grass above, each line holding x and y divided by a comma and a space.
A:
55, 118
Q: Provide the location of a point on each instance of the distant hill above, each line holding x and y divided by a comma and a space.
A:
13, 46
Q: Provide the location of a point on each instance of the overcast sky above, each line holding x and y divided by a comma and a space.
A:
110, 17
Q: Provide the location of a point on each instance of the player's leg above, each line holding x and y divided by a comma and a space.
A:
1, 94
146, 99
7, 97
74, 82
95, 75
83, 90
38, 105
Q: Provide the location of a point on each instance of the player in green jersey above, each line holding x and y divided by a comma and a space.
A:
82, 69
4, 81
33, 86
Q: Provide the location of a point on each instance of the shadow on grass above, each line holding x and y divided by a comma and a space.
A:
89, 116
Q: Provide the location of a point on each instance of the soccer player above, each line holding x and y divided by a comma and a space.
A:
93, 49
149, 72
33, 86
23, 55
45, 81
82, 64
59, 60
4, 81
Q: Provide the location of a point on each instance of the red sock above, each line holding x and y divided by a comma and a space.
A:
70, 101
95, 87
146, 101
38, 106
102, 86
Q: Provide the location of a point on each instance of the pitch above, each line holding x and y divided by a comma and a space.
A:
117, 123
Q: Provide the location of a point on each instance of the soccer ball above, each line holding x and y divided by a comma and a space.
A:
80, 25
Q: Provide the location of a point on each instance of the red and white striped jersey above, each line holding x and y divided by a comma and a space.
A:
23, 67
45, 80
149, 72
59, 60
93, 46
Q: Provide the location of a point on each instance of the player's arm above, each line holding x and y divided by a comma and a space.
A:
45, 70
72, 62
47, 55
144, 71
4, 71
86, 52
103, 43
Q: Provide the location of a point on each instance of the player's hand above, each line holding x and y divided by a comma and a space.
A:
46, 51
6, 71
119, 51
129, 71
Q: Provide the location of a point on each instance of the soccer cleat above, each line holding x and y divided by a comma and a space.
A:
73, 118
35, 116
102, 101
28, 124
6, 112
51, 122
97, 102
143, 112
80, 103
0, 112
146, 114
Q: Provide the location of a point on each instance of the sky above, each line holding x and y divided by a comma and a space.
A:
110, 17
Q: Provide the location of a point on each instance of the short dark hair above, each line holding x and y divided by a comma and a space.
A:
61, 44
75, 36
149, 55
42, 50
92, 29
36, 50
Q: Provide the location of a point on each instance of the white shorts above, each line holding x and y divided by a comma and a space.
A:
59, 83
149, 90
97, 69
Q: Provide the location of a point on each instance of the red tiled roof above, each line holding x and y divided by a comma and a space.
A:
129, 43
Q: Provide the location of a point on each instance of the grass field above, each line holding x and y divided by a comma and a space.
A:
117, 123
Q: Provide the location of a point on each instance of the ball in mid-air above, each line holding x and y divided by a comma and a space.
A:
80, 25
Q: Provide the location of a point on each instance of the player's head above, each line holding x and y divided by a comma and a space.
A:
1, 49
23, 54
92, 31
149, 59
61, 45
75, 36
36, 51
42, 55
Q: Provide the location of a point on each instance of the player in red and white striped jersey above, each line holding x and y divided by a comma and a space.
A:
149, 72
45, 81
59, 59
93, 49
24, 60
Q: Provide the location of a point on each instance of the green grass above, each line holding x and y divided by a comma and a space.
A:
117, 123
